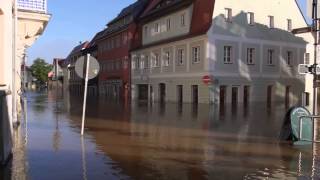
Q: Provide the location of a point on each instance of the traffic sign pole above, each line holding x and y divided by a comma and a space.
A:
315, 32
85, 94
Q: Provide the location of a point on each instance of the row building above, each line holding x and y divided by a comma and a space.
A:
245, 47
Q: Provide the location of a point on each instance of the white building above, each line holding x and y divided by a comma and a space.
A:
248, 51
21, 23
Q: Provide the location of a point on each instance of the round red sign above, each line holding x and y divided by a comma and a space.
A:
206, 79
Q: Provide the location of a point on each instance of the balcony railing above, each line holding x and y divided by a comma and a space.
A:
33, 5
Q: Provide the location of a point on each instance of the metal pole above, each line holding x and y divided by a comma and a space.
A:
315, 33
85, 94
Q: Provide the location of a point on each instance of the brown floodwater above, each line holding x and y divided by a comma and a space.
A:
141, 141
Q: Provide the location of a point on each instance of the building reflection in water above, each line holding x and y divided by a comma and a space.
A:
170, 141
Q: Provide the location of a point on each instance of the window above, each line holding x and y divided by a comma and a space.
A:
156, 27
227, 55
270, 57
146, 31
142, 64
166, 61
133, 65
146, 62
180, 56
168, 24
307, 58
289, 21
250, 55
289, 58
271, 22
228, 14
183, 20
196, 54
250, 17
138, 63
156, 62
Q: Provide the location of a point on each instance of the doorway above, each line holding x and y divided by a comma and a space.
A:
142, 92
234, 99
180, 94
269, 96
195, 94
223, 95
287, 96
162, 92
246, 96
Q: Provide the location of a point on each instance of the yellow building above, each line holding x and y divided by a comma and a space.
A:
21, 23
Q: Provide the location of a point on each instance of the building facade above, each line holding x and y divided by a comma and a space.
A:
21, 23
113, 45
246, 49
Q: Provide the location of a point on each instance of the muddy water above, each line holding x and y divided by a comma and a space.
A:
141, 141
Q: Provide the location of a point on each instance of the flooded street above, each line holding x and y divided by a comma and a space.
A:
155, 142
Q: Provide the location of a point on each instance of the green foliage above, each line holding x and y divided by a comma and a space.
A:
40, 70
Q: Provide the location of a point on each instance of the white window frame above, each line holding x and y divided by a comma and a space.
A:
250, 18
228, 14
251, 54
270, 57
196, 54
183, 19
180, 56
156, 60
133, 65
166, 60
156, 28
138, 65
168, 24
227, 54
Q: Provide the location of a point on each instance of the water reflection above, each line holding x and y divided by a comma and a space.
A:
161, 141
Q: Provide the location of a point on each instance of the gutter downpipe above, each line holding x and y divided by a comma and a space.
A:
14, 58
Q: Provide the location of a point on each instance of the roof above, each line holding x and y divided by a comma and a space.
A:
162, 5
133, 9
75, 50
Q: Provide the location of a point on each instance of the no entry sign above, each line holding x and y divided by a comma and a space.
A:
206, 79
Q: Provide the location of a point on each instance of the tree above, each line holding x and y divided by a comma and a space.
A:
40, 70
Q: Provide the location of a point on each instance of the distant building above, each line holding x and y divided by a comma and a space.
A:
71, 79
55, 76
28, 82
246, 49
113, 45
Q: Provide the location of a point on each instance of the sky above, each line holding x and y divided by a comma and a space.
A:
73, 21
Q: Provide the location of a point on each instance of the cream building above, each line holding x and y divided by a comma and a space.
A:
21, 23
249, 52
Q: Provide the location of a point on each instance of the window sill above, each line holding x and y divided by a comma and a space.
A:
271, 65
228, 63
198, 62
251, 64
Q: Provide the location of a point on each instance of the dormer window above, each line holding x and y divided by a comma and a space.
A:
228, 14
250, 16
289, 25
271, 22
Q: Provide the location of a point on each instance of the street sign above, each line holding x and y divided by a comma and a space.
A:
308, 69
302, 30
206, 79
